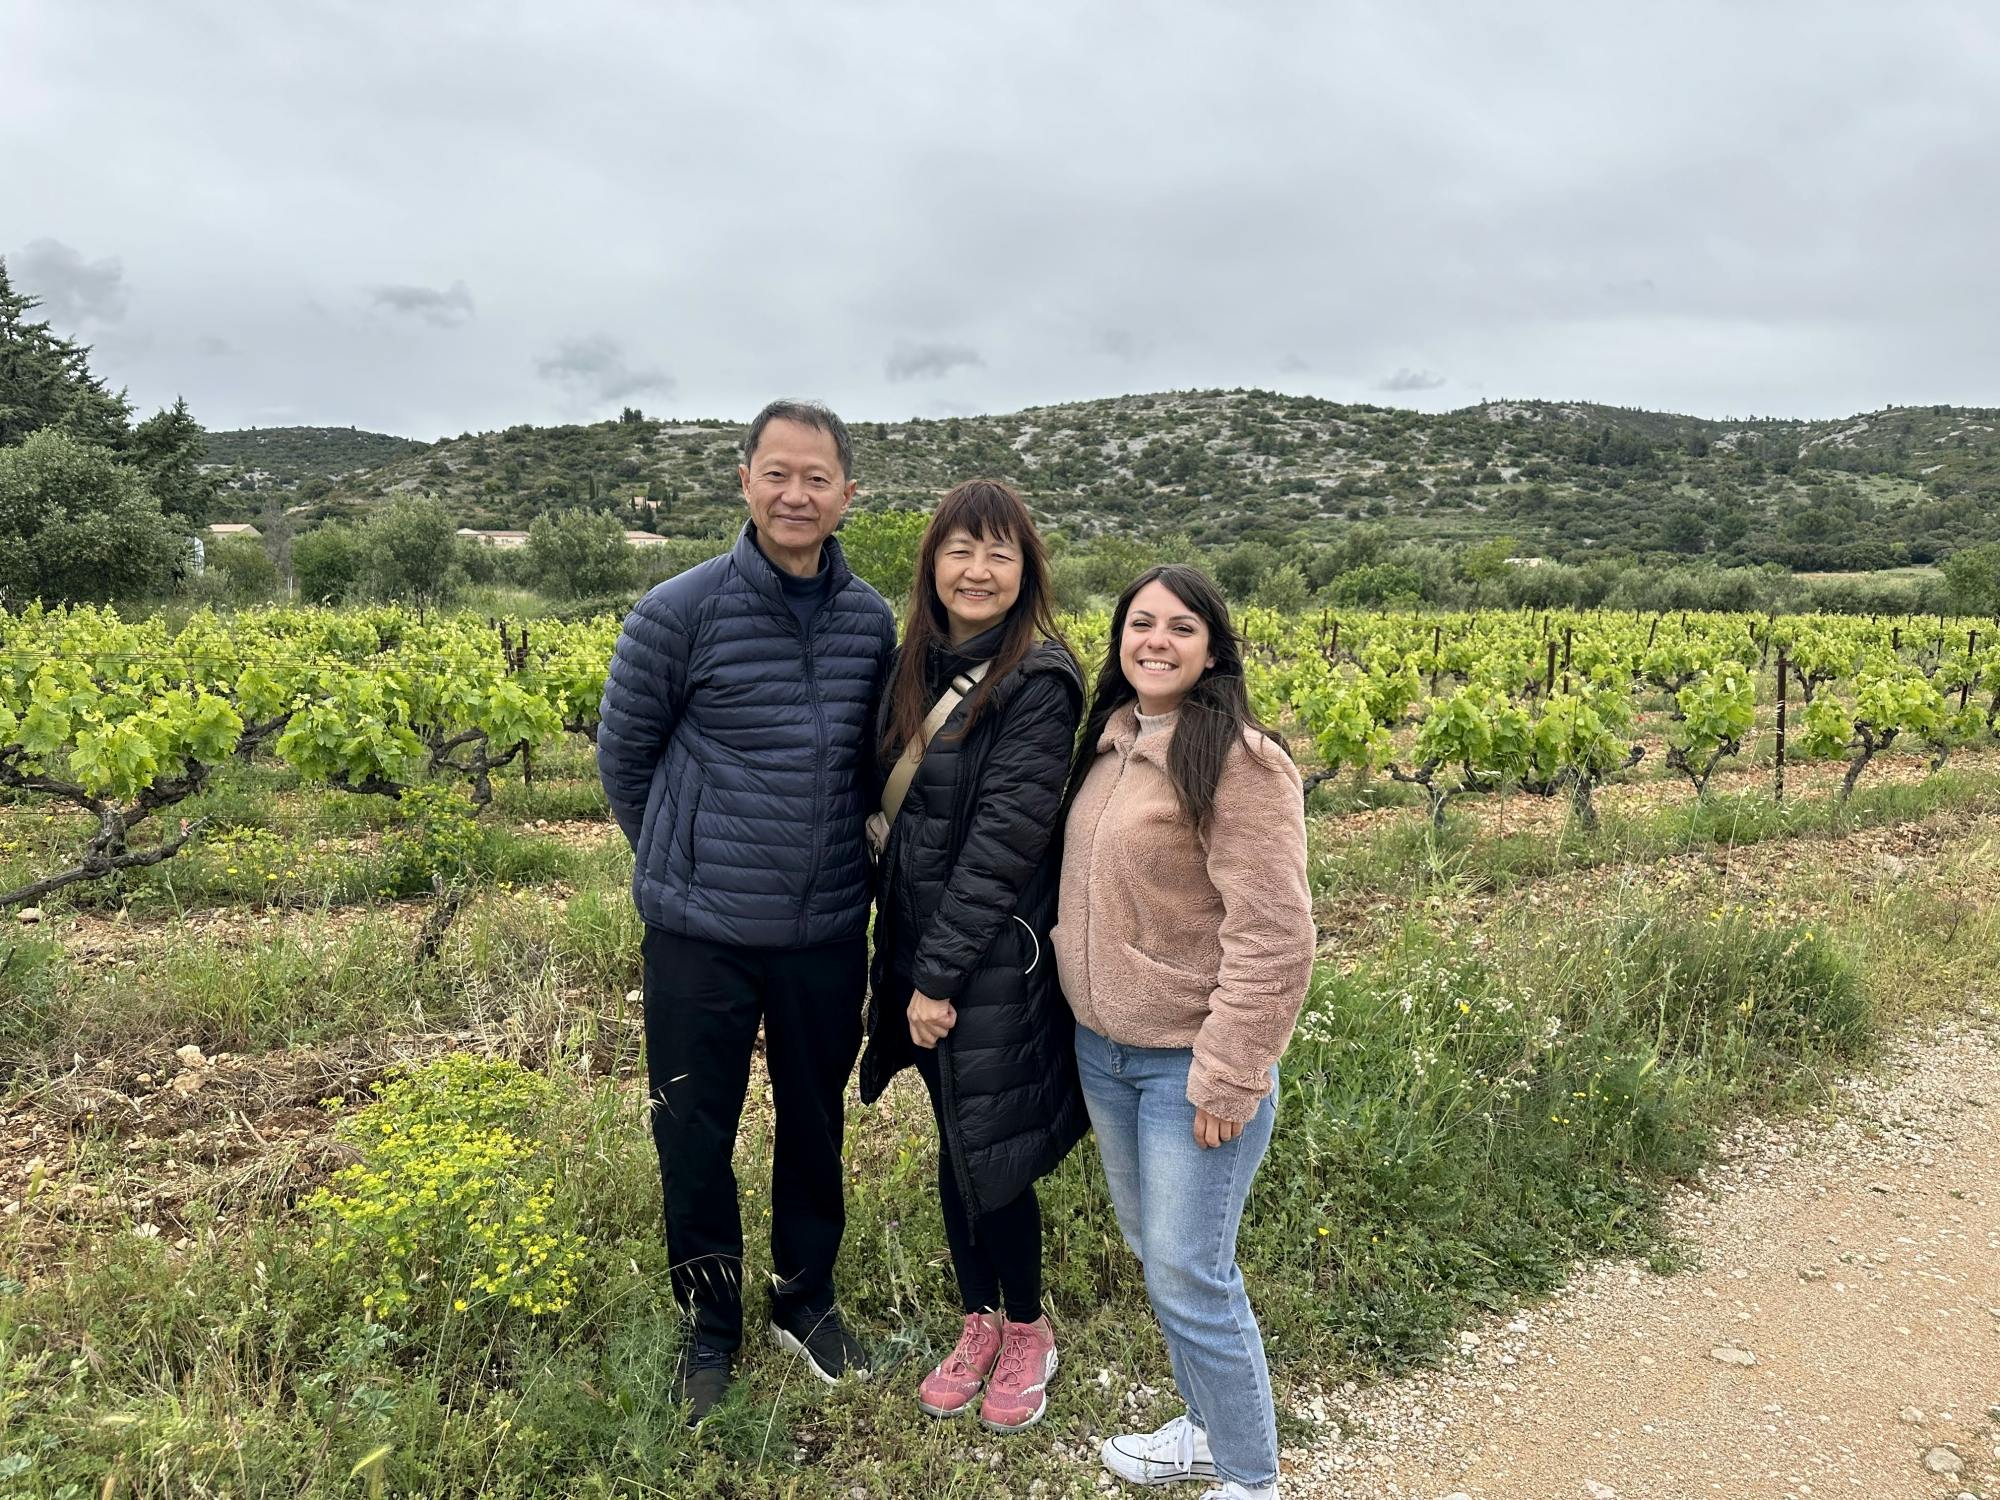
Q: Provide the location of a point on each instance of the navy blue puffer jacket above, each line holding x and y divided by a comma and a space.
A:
735, 750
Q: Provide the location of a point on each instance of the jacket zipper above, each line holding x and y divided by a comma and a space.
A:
958, 1166
1090, 869
806, 634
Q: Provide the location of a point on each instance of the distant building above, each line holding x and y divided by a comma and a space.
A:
644, 539
235, 528
502, 539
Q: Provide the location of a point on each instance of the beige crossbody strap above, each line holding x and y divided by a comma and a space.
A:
905, 772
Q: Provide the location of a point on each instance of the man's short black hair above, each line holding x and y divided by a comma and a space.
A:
806, 414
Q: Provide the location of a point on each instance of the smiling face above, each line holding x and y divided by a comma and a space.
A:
1163, 649
796, 493
977, 581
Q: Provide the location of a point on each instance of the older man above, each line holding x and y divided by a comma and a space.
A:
734, 748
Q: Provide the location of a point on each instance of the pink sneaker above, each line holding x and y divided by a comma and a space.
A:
949, 1389
1017, 1395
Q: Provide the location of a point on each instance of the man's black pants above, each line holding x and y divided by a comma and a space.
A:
703, 1003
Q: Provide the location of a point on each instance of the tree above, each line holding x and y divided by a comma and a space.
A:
328, 562
168, 448
409, 548
1283, 589
579, 553
239, 571
1486, 563
1973, 579
1684, 530
1379, 585
1239, 570
881, 546
45, 381
78, 526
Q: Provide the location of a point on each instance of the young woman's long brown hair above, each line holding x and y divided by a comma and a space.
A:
1214, 715
988, 510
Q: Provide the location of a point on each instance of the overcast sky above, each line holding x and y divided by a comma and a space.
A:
424, 218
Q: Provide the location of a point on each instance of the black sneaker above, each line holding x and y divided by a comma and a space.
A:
705, 1374
822, 1340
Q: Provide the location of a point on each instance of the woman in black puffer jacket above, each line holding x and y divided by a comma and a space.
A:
964, 983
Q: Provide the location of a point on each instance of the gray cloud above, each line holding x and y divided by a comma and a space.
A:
73, 290
1293, 364
1411, 380
595, 367
1796, 193
1124, 343
215, 348
908, 361
441, 309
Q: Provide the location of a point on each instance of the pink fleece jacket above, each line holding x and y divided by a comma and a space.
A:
1164, 939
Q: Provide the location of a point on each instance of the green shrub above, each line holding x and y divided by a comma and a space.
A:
238, 571
448, 1209
438, 841
1459, 1126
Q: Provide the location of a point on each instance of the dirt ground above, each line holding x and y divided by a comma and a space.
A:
1840, 1334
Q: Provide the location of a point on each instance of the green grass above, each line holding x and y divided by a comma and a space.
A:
1462, 1119
1914, 573
1464, 1116
1408, 854
510, 964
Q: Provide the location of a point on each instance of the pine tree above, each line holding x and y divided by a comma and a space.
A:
45, 381
168, 448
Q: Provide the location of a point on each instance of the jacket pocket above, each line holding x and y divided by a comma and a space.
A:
1168, 981
689, 863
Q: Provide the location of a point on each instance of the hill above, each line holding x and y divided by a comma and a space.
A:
290, 457
1567, 480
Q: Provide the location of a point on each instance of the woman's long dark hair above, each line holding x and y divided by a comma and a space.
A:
987, 509
1213, 717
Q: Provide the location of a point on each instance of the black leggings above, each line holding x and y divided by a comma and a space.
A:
1006, 1257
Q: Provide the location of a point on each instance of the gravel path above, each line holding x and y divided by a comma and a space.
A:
1840, 1335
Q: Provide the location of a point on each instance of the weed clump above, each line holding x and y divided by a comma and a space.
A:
449, 1208
1462, 1122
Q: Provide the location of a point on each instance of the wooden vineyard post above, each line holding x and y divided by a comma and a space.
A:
1437, 651
1549, 680
1965, 687
1569, 639
1779, 792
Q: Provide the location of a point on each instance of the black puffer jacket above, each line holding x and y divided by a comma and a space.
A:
735, 750
967, 898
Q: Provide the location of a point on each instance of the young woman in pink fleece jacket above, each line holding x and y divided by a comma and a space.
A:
1184, 941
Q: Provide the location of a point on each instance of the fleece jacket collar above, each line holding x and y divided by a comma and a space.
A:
1121, 733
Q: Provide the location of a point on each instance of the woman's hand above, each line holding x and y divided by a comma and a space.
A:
930, 1020
1211, 1131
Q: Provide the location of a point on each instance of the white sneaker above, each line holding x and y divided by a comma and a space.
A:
1175, 1452
1231, 1490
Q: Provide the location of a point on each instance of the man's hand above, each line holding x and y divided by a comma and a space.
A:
1211, 1131
930, 1020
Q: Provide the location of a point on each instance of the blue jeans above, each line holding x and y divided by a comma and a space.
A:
1178, 1207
